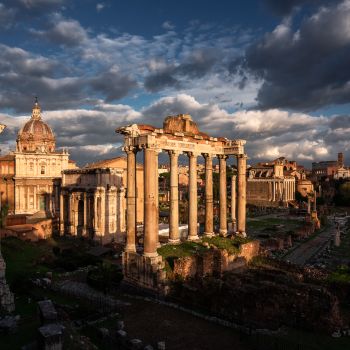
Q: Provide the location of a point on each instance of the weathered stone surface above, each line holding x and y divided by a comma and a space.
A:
48, 313
51, 337
215, 262
265, 299
6, 297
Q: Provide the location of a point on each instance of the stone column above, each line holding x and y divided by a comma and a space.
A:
85, 214
241, 214
150, 203
70, 213
233, 202
174, 236
131, 201
209, 216
156, 179
308, 204
315, 201
95, 221
223, 196
193, 198
61, 214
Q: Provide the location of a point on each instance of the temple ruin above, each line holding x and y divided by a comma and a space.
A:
179, 135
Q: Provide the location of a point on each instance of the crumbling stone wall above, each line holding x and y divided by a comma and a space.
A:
214, 262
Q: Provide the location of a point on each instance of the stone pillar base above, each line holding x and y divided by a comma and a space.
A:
209, 234
144, 271
71, 230
130, 248
174, 241
150, 255
223, 233
192, 238
241, 234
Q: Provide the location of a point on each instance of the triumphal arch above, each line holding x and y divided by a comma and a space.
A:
179, 135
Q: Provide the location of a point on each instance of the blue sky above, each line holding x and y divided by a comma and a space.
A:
273, 72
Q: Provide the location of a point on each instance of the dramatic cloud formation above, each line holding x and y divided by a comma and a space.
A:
305, 68
273, 87
285, 7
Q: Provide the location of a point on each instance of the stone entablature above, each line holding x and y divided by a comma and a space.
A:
178, 141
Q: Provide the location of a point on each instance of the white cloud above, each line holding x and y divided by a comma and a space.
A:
100, 6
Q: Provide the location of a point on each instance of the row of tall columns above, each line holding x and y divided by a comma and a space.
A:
151, 198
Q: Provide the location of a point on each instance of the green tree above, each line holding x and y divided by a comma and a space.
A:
3, 215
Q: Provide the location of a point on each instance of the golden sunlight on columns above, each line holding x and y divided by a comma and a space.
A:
150, 203
223, 196
131, 200
193, 198
233, 202
209, 217
242, 182
174, 236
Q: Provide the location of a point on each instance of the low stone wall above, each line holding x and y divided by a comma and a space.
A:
215, 262
30, 232
145, 272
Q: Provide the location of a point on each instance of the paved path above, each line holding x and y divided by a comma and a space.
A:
307, 250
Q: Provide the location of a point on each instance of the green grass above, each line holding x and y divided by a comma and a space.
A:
263, 223
171, 252
341, 275
182, 250
23, 259
231, 245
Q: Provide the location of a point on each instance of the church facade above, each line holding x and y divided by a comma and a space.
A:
31, 176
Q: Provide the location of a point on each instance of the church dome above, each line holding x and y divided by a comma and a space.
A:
36, 135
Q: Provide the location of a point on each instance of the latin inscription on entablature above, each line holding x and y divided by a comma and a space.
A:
178, 145
233, 150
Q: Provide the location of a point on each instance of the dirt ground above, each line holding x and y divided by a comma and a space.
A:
152, 322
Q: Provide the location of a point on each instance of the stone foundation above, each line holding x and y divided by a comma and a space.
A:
215, 261
144, 272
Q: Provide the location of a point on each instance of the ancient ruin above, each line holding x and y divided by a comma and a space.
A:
6, 297
179, 135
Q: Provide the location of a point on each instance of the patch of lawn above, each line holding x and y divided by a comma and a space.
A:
231, 245
182, 250
341, 275
23, 259
260, 224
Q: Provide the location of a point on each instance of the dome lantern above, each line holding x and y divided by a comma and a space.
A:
36, 135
